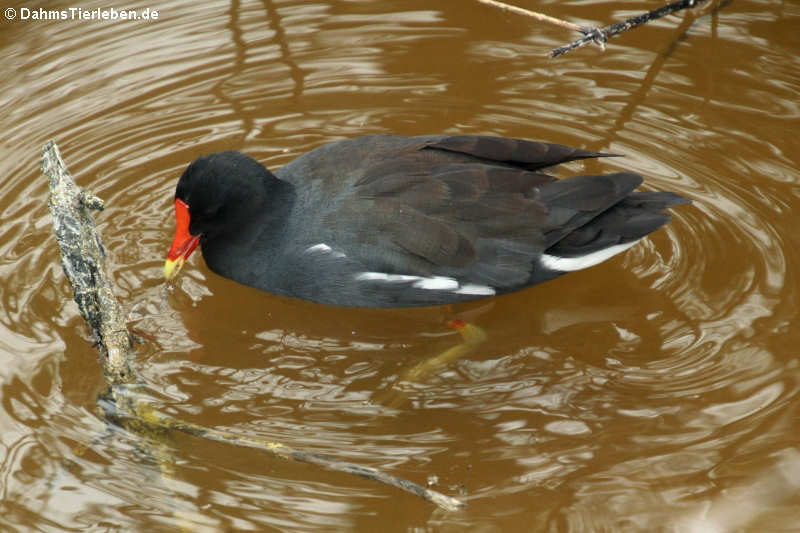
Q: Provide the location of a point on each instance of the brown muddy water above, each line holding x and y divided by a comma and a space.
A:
655, 392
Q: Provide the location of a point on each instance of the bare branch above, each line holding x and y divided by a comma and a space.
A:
82, 257
593, 34
600, 36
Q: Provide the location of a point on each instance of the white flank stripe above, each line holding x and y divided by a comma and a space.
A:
477, 290
382, 276
570, 264
433, 283
321, 247
437, 283
325, 249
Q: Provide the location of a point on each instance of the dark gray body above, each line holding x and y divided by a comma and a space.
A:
401, 221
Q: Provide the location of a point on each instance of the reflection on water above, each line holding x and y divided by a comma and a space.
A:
627, 398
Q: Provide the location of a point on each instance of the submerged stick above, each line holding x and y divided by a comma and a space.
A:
276, 449
82, 258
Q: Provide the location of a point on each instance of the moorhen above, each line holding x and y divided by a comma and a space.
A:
390, 221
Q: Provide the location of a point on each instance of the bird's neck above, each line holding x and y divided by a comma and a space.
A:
277, 202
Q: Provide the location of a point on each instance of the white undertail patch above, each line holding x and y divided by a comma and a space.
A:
571, 264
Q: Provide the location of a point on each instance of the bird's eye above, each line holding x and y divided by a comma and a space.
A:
210, 212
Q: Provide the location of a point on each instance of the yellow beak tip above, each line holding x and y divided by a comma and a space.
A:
171, 268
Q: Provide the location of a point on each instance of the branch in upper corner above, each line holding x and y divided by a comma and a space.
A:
534, 15
82, 257
600, 36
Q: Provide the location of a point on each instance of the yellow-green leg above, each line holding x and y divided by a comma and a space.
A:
472, 336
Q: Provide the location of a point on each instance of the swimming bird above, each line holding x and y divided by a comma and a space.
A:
393, 221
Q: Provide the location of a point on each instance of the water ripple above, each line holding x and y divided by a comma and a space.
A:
634, 419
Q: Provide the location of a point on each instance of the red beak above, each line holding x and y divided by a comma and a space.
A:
184, 242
